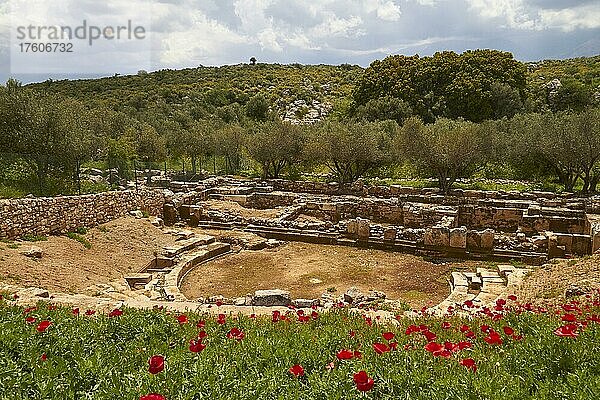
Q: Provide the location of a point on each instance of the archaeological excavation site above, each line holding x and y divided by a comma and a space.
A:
251, 245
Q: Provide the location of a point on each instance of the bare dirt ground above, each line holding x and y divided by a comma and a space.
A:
548, 284
308, 270
118, 248
235, 208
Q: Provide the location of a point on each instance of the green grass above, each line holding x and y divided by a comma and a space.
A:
34, 238
95, 357
75, 236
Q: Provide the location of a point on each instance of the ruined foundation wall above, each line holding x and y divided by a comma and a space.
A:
56, 215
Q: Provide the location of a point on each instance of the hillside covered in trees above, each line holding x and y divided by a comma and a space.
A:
449, 116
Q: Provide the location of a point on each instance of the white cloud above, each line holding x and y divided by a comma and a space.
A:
513, 13
202, 42
333, 26
427, 2
385, 10
213, 32
521, 14
587, 17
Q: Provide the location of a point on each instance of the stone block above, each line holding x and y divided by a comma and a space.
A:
458, 238
271, 298
352, 227
33, 252
353, 295
364, 229
389, 234
481, 240
437, 236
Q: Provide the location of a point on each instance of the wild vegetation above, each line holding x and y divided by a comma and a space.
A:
514, 350
450, 116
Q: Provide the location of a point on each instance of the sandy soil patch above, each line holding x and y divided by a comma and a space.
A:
548, 283
308, 270
119, 247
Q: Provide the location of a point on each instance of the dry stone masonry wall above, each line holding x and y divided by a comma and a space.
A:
57, 215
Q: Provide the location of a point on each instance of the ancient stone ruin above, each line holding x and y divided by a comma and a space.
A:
500, 226
528, 227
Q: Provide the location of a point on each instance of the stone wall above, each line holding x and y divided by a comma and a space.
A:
57, 215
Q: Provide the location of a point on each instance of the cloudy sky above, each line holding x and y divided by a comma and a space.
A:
188, 33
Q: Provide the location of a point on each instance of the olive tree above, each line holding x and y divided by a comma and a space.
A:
275, 145
350, 150
447, 149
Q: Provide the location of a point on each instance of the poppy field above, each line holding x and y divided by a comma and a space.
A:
511, 351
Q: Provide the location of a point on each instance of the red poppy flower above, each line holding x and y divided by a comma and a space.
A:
437, 350
30, 320
303, 318
493, 338
352, 334
470, 335
465, 328
469, 304
29, 309
388, 336
44, 357
297, 370
469, 363
412, 329
219, 303
276, 316
201, 324
508, 331
314, 315
115, 313
221, 319
252, 316
430, 336
345, 354
569, 318
569, 307
485, 328
235, 333
380, 348
196, 346
75, 311
393, 345
357, 354
51, 307
368, 321
569, 330
464, 345
153, 396
512, 297
202, 335
451, 347
42, 326
182, 319
363, 382
434, 347
446, 325
90, 312
156, 364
